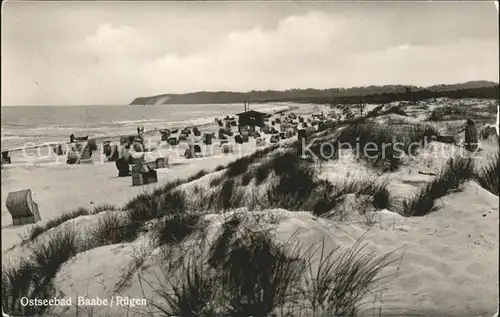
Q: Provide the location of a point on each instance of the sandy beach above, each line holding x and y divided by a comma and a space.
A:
446, 261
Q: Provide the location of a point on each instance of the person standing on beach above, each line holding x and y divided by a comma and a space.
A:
471, 140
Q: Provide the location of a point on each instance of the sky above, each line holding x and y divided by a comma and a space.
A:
82, 53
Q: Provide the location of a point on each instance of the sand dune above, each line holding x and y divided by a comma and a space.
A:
446, 262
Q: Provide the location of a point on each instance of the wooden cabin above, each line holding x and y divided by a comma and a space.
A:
251, 118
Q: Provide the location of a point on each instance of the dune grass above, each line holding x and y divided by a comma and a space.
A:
111, 229
240, 166
246, 179
368, 186
382, 146
196, 176
245, 271
33, 276
216, 181
174, 228
37, 230
295, 181
488, 176
456, 172
294, 185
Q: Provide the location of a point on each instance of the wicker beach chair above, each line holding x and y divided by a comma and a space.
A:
22, 208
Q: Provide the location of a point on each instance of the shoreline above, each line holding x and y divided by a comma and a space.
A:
148, 133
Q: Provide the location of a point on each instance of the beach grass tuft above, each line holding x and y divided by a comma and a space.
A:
488, 176
247, 271
33, 276
174, 228
457, 171
37, 230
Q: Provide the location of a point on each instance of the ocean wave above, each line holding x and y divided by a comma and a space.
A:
44, 135
138, 121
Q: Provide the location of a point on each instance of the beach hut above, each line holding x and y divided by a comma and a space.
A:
251, 118
22, 208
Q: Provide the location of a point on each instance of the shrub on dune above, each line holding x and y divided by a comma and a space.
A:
456, 172
239, 166
292, 189
104, 207
111, 229
246, 179
228, 196
174, 228
368, 186
216, 181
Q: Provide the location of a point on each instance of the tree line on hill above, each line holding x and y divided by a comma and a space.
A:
370, 94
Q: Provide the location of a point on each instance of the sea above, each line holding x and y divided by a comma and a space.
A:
30, 126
